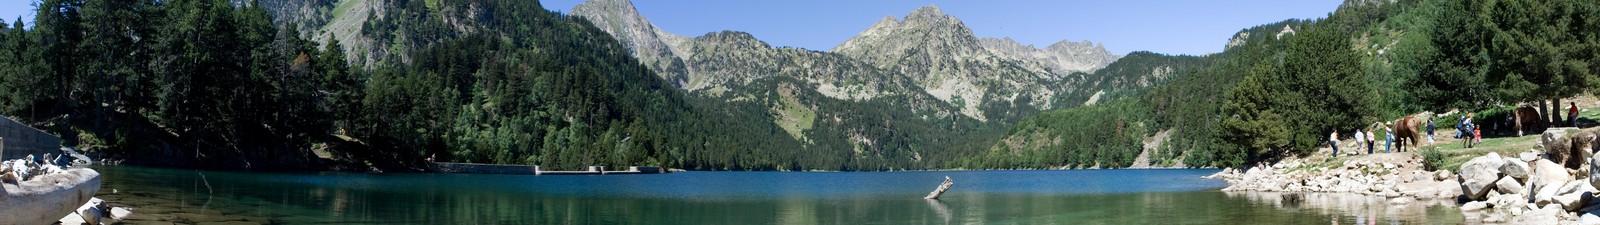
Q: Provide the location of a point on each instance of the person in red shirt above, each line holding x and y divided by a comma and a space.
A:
1572, 114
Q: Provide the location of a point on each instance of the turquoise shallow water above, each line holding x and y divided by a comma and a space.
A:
979, 197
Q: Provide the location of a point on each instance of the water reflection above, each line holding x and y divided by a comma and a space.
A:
939, 208
985, 197
1358, 209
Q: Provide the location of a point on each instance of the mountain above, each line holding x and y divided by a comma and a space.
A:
1061, 57
662, 51
942, 56
983, 78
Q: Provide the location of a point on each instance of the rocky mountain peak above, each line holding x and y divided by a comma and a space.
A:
734, 39
655, 48
928, 13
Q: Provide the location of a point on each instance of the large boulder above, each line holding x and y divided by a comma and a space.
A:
1479, 174
1556, 145
1572, 201
1594, 172
1547, 173
1516, 168
1583, 145
45, 199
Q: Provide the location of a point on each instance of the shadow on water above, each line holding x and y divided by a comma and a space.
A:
979, 197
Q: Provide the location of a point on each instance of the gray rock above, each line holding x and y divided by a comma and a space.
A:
1572, 201
91, 212
1516, 168
1557, 147
1508, 185
1594, 171
1442, 175
1479, 174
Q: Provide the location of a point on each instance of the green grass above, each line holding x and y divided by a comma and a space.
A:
1505, 146
342, 7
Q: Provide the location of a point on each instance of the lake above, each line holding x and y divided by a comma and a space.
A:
180, 196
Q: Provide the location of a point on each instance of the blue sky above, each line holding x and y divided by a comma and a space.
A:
1173, 27
10, 9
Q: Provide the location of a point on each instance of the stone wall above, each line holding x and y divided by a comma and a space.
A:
18, 141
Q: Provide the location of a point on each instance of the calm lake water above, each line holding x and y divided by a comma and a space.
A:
167, 196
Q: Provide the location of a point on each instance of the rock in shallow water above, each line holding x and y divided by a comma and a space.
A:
1474, 206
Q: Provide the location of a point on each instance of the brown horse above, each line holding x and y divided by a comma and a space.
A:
1527, 119
1405, 131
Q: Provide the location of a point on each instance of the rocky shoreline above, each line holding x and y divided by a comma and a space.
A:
1396, 176
1553, 183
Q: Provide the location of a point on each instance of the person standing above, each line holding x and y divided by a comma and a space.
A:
1430, 131
1466, 130
1572, 114
1333, 141
1371, 138
1361, 139
1388, 138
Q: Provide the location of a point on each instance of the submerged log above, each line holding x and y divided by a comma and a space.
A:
942, 188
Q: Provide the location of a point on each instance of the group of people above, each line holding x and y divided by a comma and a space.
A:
1370, 138
1466, 130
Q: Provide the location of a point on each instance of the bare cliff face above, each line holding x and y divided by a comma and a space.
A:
661, 51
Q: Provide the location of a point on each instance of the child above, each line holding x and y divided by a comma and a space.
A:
1477, 136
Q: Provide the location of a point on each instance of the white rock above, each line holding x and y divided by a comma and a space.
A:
1546, 192
1589, 219
1529, 155
47, 198
1508, 185
72, 219
120, 213
1474, 206
1479, 174
1494, 218
1546, 172
1572, 187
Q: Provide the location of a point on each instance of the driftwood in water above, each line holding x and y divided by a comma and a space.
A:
942, 188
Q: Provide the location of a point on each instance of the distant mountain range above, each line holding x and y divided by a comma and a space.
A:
926, 52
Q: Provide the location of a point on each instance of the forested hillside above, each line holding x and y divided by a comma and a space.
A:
1279, 89
216, 84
